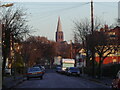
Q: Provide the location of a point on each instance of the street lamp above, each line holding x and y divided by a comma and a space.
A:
82, 56
2, 32
7, 5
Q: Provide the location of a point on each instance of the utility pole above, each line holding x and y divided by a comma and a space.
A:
92, 19
92, 41
71, 50
119, 13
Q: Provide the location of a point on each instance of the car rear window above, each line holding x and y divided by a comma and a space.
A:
37, 66
33, 69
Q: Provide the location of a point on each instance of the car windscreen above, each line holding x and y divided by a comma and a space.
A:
33, 69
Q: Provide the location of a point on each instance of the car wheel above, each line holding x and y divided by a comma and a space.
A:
111, 86
41, 77
28, 78
68, 74
78, 75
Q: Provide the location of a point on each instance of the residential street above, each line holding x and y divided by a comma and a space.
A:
52, 79
52, 40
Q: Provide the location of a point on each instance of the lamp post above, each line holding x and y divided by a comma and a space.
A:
82, 60
7, 5
2, 30
92, 41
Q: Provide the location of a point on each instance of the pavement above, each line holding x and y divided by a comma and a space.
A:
104, 80
0, 70
11, 81
0, 79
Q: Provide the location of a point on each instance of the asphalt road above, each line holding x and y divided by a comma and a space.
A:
52, 79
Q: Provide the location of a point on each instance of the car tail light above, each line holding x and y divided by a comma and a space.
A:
29, 73
39, 72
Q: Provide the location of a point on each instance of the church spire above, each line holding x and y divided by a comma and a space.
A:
59, 33
59, 26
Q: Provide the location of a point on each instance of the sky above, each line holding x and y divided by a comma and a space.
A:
43, 16
61, 0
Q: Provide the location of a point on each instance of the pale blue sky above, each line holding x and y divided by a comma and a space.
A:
61, 0
44, 16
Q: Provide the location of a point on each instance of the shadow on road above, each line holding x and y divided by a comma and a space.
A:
32, 79
50, 71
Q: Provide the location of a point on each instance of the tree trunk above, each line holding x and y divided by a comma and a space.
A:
87, 59
3, 65
93, 63
99, 67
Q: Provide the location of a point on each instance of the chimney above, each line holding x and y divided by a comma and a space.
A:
106, 27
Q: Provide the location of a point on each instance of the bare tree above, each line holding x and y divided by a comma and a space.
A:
83, 28
104, 47
82, 31
14, 28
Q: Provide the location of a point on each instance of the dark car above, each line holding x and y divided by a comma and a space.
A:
72, 71
34, 72
116, 81
59, 69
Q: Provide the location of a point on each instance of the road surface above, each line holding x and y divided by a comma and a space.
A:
52, 79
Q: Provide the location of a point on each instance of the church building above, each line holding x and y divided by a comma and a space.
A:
59, 32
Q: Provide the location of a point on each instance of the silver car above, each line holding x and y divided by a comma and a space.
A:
34, 72
41, 67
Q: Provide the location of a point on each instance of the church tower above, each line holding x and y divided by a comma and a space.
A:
59, 32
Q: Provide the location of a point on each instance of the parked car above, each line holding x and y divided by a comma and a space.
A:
41, 67
34, 72
59, 69
72, 71
7, 71
116, 81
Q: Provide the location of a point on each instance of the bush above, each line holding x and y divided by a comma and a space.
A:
110, 70
88, 70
